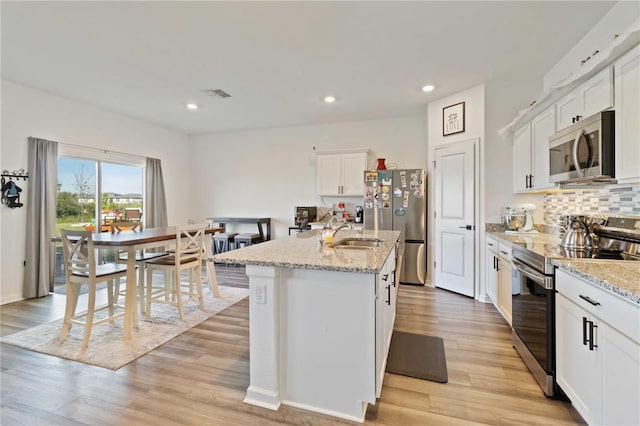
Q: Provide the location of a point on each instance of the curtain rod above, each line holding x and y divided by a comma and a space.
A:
105, 151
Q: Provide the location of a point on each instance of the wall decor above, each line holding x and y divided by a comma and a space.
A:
453, 119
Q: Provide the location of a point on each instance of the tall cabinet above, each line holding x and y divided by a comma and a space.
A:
627, 96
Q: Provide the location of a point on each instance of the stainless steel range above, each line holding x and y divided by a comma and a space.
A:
533, 306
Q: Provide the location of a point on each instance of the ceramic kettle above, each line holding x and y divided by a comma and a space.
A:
577, 236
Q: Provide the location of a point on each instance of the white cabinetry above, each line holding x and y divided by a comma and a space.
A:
499, 276
531, 153
505, 283
627, 91
341, 173
491, 259
597, 351
385, 315
591, 97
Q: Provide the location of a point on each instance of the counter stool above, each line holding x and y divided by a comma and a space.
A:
222, 241
247, 239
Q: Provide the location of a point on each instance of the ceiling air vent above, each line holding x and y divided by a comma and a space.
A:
217, 93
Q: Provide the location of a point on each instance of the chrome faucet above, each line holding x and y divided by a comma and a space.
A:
335, 231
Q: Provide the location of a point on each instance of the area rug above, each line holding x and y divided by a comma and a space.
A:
419, 356
107, 348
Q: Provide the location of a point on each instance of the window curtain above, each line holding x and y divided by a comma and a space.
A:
155, 201
41, 218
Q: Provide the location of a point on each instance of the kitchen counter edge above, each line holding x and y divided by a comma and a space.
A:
619, 277
301, 251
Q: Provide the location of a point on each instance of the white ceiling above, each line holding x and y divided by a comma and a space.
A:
278, 59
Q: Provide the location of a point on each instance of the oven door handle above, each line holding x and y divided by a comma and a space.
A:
535, 276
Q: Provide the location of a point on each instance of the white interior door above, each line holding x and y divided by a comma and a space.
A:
454, 217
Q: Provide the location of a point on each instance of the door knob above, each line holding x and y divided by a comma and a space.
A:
467, 227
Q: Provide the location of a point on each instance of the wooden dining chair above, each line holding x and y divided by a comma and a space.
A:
142, 257
187, 256
81, 268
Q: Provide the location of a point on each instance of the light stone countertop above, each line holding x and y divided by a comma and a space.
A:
302, 251
620, 277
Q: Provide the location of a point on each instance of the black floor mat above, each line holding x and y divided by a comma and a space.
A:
419, 356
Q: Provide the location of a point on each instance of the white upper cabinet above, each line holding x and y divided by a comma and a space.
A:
341, 173
591, 97
531, 153
522, 158
627, 124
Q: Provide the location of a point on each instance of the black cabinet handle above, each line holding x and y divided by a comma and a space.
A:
495, 263
592, 345
385, 277
388, 295
530, 181
526, 181
584, 331
590, 300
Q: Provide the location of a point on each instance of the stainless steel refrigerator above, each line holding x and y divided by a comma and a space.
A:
396, 200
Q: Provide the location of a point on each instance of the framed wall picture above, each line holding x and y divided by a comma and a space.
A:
453, 119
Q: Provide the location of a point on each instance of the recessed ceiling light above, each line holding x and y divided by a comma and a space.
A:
192, 106
329, 99
427, 88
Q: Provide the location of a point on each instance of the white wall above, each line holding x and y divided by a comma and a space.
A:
619, 18
266, 173
503, 100
28, 112
474, 99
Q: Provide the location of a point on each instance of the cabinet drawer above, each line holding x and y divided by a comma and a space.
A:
619, 313
504, 251
492, 245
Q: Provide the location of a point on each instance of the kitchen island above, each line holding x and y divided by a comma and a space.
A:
320, 321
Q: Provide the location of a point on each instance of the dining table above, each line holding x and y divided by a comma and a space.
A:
131, 241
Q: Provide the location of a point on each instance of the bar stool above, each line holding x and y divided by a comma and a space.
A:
222, 241
247, 240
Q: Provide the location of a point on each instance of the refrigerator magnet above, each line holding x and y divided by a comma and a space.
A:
385, 189
385, 196
386, 181
368, 204
405, 200
400, 212
397, 192
371, 176
386, 205
417, 193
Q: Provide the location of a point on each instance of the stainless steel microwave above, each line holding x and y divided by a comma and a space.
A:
584, 152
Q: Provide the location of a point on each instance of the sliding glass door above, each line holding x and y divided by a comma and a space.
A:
92, 193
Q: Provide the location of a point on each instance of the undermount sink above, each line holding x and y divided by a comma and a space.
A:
357, 243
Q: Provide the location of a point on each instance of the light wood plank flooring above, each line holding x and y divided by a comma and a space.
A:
200, 377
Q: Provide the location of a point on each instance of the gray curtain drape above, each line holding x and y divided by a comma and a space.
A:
41, 218
155, 208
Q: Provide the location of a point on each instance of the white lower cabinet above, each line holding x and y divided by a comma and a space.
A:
491, 259
597, 352
499, 276
505, 282
385, 316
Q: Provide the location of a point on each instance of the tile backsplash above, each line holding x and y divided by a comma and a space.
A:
622, 200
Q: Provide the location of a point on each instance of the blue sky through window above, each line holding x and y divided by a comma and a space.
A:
117, 178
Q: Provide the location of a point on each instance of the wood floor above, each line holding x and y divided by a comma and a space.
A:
200, 377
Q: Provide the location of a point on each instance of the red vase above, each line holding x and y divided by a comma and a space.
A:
381, 165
